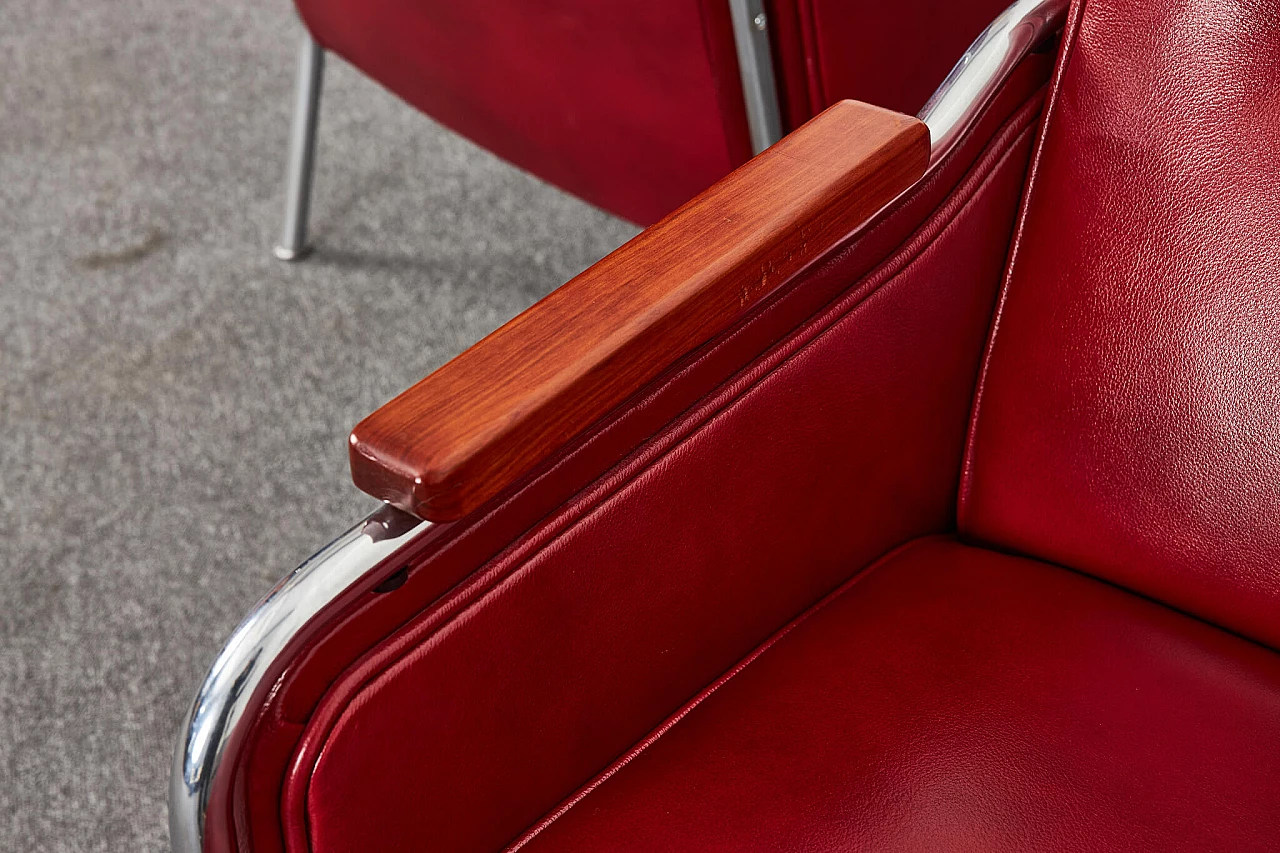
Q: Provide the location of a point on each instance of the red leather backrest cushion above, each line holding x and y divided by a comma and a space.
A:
1128, 423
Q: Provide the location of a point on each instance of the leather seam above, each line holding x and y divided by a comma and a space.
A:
817, 71
724, 678
963, 498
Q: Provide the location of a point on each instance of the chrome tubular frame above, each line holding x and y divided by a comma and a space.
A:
215, 725
755, 65
302, 151
974, 80
267, 639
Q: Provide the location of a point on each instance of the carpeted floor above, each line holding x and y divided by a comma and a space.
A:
174, 401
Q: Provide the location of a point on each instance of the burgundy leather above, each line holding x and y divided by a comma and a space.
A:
635, 108
953, 698
515, 689
1128, 424
892, 54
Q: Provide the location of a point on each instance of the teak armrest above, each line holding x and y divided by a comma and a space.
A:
468, 430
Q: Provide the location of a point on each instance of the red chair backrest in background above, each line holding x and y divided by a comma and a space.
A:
637, 107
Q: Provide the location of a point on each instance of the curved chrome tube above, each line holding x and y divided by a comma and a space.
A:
214, 724
970, 86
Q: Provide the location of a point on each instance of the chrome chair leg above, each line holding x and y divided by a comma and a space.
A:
302, 149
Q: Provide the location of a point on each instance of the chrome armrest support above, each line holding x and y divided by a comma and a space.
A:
215, 726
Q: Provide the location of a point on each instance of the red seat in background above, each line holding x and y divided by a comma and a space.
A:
637, 107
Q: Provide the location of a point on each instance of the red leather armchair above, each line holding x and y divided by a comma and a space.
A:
952, 525
634, 107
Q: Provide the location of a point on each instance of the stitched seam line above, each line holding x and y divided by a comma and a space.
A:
664, 727
812, 69
966, 465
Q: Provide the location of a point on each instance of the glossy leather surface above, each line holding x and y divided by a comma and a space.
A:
1128, 424
952, 698
519, 686
634, 108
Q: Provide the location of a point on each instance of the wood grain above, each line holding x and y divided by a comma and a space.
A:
464, 433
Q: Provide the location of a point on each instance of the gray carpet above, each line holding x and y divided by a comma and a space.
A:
174, 401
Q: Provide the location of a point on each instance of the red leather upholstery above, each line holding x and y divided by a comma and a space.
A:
516, 689
889, 54
540, 653
1128, 422
635, 108
951, 698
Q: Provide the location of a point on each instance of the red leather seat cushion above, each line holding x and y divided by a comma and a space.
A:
889, 54
954, 698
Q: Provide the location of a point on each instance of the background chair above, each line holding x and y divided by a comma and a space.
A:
635, 108
902, 491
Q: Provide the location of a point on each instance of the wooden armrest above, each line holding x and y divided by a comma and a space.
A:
468, 430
